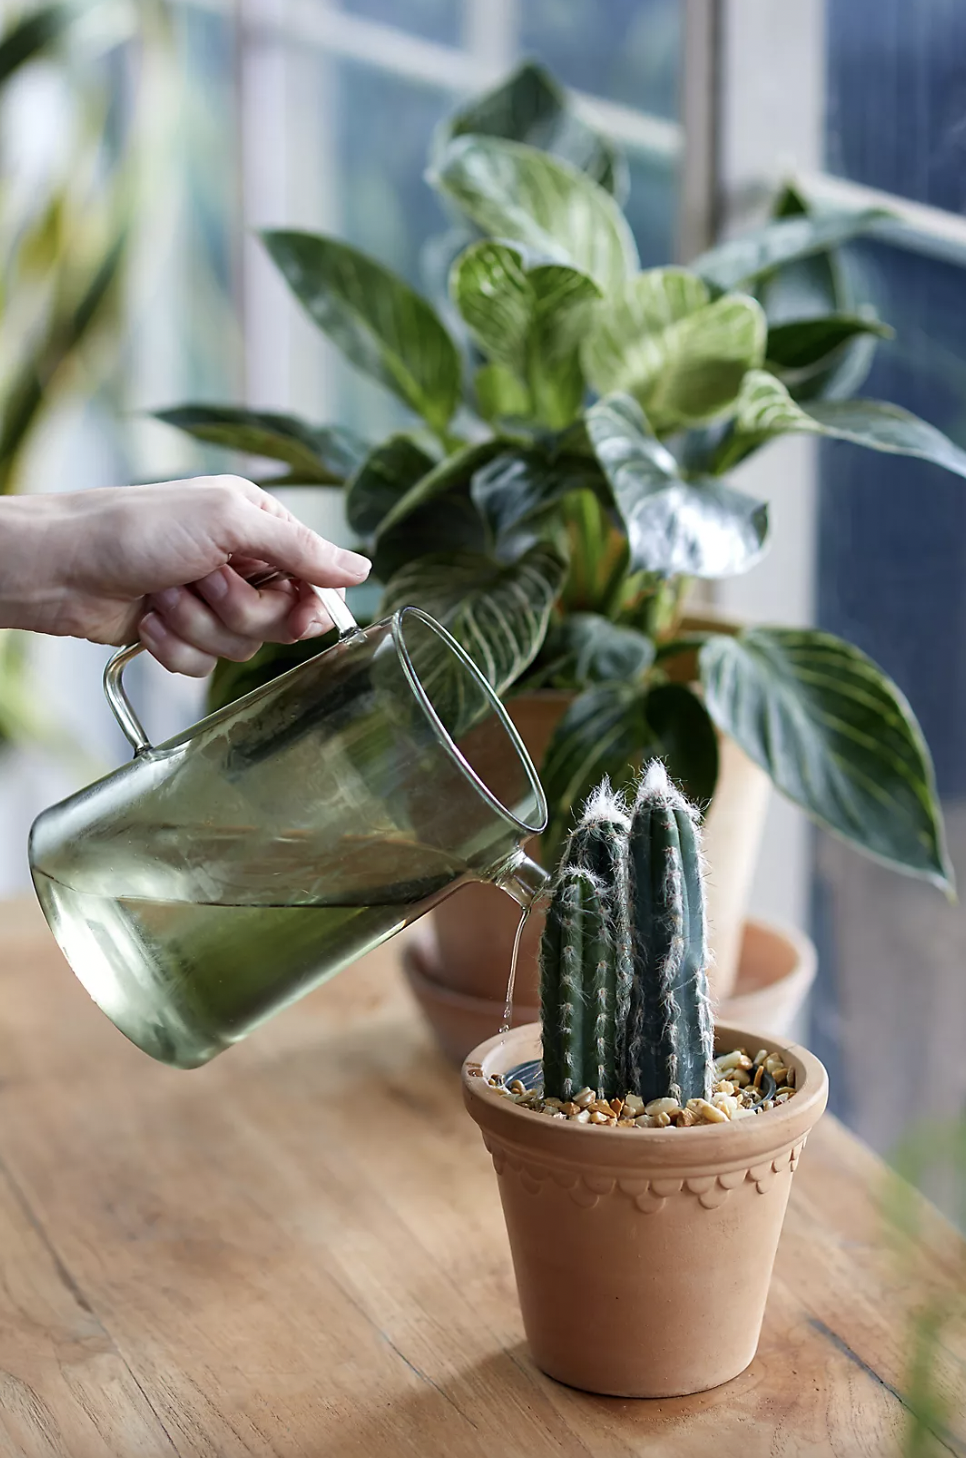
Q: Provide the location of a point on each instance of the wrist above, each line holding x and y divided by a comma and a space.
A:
30, 586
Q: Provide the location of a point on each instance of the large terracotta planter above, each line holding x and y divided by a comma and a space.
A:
475, 927
642, 1257
776, 968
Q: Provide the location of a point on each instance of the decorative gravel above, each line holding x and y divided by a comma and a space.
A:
743, 1086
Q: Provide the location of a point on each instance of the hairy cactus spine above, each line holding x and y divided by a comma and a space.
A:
670, 1044
585, 956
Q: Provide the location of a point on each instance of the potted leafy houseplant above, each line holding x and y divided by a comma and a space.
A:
644, 1182
567, 475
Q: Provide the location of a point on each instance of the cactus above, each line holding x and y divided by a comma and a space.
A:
670, 1039
585, 955
623, 959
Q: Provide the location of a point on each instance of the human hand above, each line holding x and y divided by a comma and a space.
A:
168, 563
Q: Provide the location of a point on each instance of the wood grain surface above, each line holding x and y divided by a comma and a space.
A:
299, 1251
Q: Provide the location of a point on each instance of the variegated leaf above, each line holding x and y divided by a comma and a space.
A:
381, 325
700, 528
741, 261
498, 612
836, 736
610, 729
530, 107
517, 193
530, 321
454, 472
382, 480
765, 408
681, 357
317, 455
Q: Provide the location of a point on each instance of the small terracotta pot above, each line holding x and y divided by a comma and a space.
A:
642, 1256
775, 971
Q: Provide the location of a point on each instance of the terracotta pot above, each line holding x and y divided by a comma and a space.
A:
775, 971
642, 1256
475, 926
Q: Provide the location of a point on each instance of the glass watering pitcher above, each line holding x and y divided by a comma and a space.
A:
221, 875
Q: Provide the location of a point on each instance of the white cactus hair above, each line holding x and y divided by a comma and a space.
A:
605, 803
655, 786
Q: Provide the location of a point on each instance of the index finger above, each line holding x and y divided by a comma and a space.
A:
287, 543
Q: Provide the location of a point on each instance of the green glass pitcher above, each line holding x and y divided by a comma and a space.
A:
219, 876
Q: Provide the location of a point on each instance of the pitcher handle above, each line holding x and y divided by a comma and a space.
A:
116, 694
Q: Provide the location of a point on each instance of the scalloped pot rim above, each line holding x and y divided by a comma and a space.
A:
699, 1149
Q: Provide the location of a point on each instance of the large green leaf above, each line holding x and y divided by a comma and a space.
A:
380, 324
516, 193
489, 286
835, 735
681, 357
518, 485
562, 303
31, 35
697, 528
456, 471
531, 322
610, 729
800, 344
588, 648
501, 396
498, 612
447, 524
530, 107
317, 455
382, 479
804, 288
603, 732
688, 740
739, 262
765, 408
817, 287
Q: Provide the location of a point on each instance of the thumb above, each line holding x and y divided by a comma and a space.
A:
285, 542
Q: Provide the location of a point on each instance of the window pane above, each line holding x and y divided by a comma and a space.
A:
897, 97
651, 207
892, 576
626, 51
438, 20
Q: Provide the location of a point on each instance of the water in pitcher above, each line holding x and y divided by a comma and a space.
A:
187, 962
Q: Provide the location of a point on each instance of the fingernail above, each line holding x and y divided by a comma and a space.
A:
316, 629
216, 585
168, 598
352, 562
152, 625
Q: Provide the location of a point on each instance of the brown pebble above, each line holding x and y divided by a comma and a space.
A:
597, 1117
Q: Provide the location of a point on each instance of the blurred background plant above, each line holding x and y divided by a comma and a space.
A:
108, 214
930, 1301
67, 217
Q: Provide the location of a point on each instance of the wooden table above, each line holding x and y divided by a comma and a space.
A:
299, 1250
